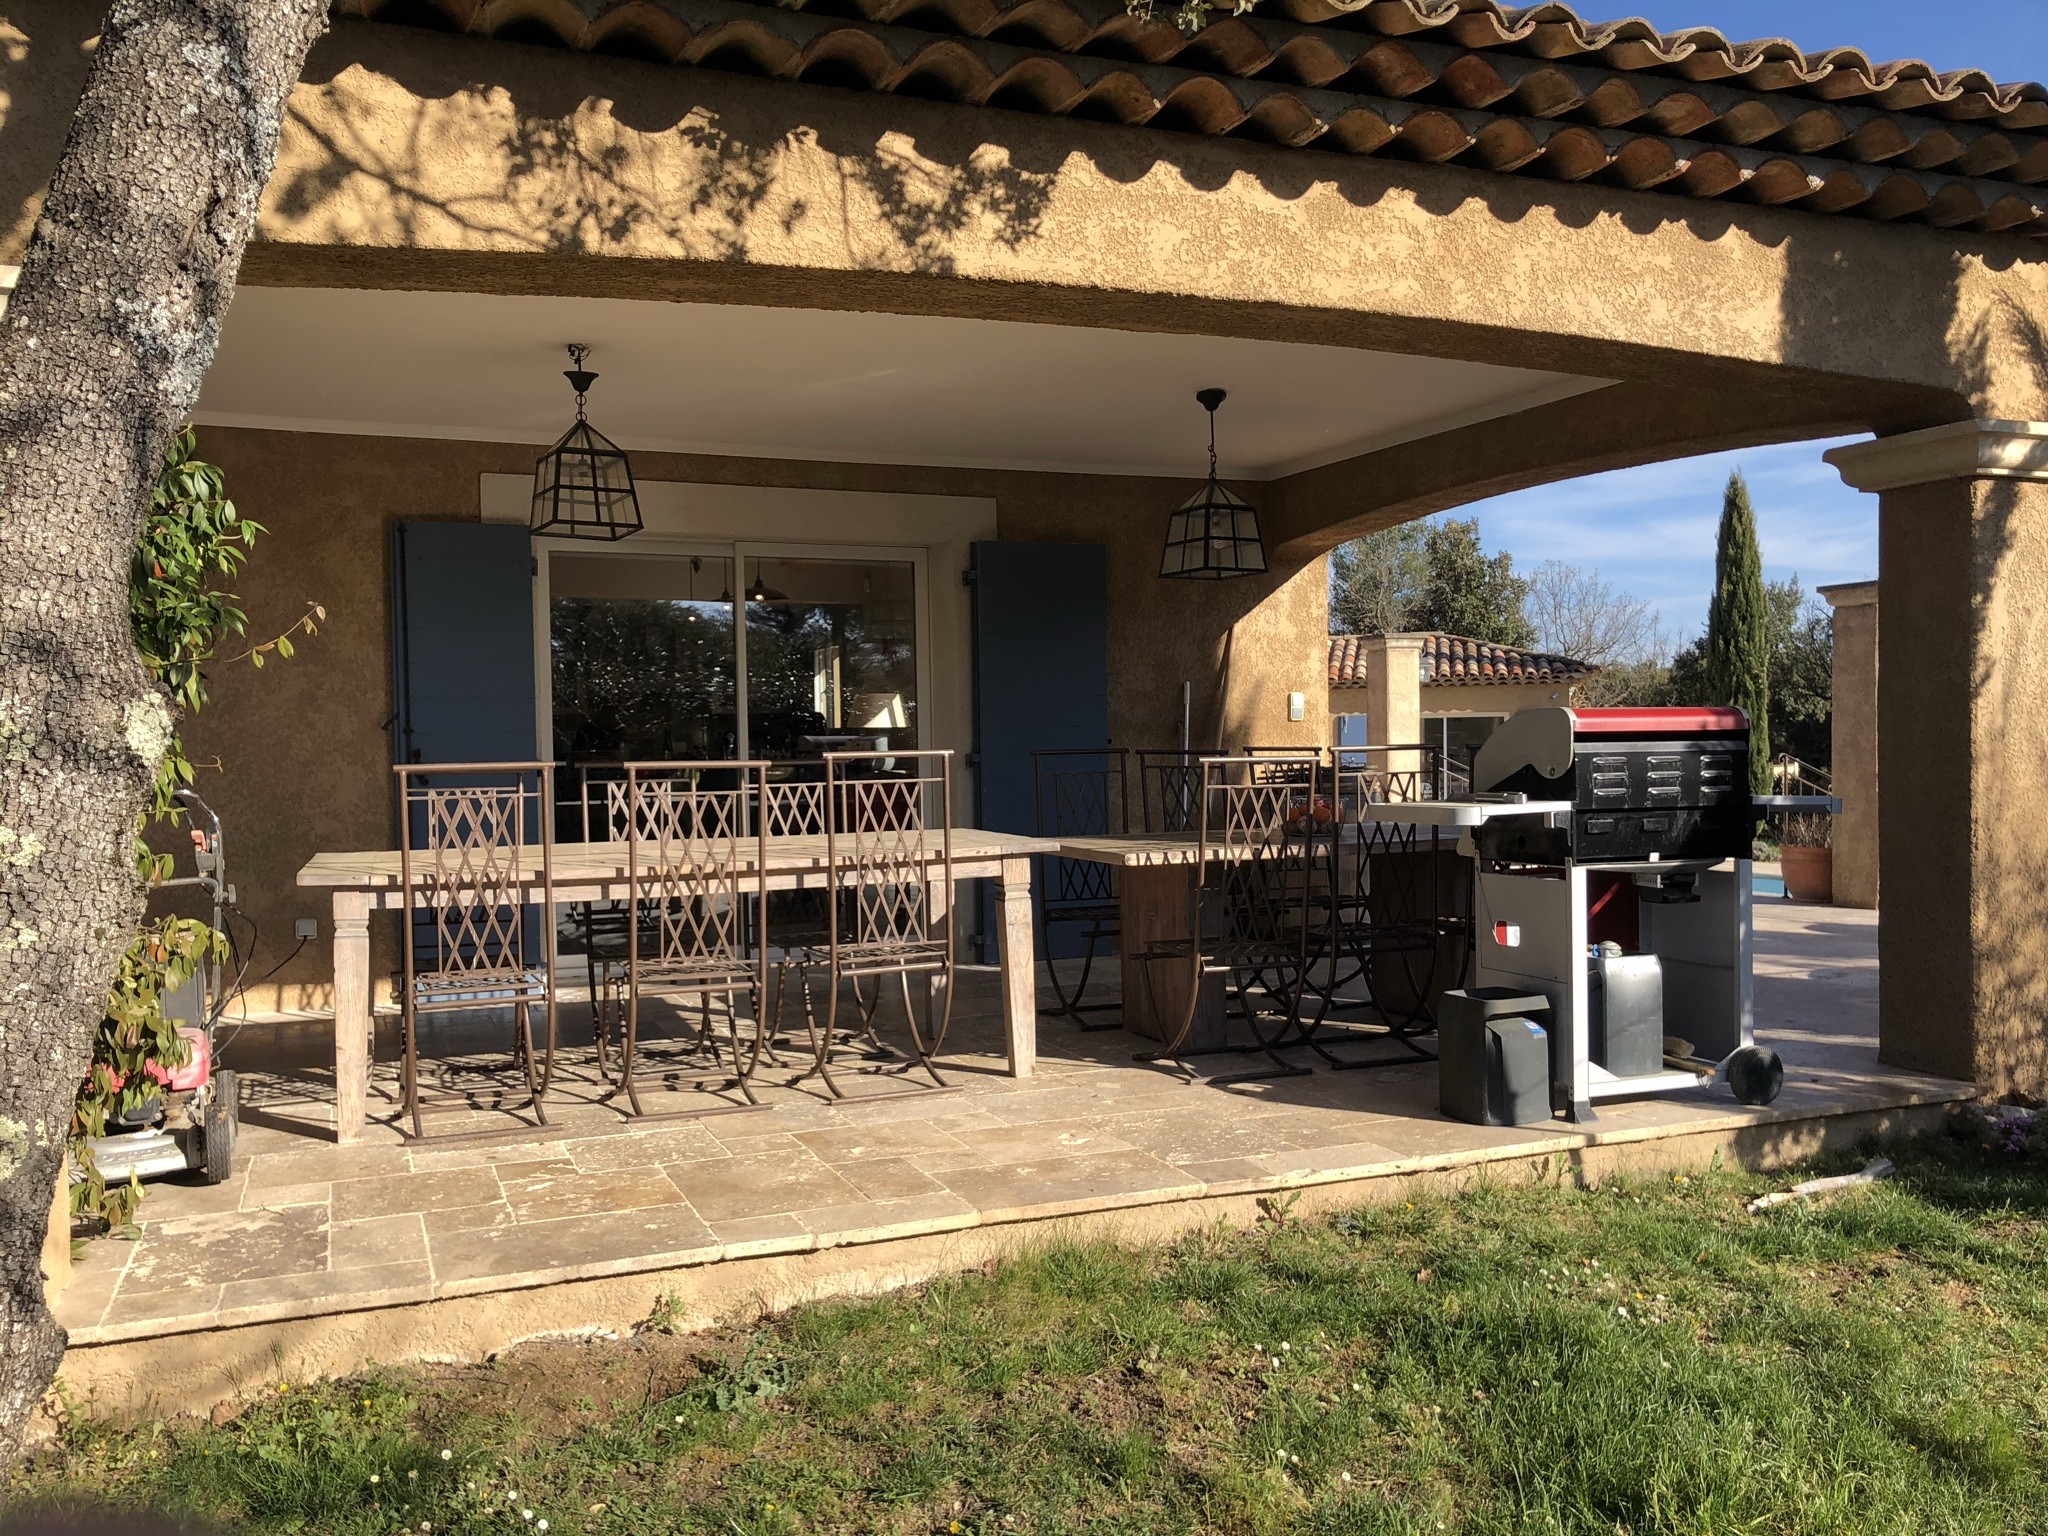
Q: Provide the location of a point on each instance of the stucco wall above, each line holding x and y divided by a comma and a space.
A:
1964, 708
303, 748
1854, 745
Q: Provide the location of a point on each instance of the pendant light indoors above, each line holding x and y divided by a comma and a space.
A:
583, 486
1214, 534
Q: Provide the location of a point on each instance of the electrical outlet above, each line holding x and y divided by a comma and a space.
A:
306, 928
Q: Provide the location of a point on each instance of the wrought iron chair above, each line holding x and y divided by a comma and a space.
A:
1261, 910
1403, 936
469, 882
599, 927
889, 860
697, 889
1374, 775
1170, 787
1277, 765
1080, 792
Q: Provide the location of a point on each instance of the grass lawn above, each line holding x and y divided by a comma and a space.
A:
1521, 1358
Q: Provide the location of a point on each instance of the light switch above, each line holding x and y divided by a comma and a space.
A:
1297, 706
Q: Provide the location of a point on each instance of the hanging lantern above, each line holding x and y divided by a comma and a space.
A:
583, 486
1214, 534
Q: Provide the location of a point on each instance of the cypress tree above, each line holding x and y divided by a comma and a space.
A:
1738, 660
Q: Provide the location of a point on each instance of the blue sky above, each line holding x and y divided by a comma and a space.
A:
1650, 531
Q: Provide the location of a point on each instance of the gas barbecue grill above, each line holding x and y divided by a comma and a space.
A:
1648, 784
1620, 834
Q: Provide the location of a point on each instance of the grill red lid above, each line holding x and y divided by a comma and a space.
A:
1697, 720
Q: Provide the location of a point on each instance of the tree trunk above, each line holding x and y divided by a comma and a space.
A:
112, 325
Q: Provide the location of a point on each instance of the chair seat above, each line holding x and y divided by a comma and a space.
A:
699, 970
492, 987
880, 957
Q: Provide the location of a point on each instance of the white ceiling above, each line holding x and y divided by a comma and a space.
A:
815, 384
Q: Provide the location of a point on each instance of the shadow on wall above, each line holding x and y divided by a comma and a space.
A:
580, 175
43, 59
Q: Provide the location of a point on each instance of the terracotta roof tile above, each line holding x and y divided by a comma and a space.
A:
1452, 659
1531, 90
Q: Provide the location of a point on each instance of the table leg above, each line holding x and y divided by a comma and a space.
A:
1157, 903
1020, 966
351, 1012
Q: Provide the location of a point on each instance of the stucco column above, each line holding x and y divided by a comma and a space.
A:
1854, 775
1393, 698
1963, 823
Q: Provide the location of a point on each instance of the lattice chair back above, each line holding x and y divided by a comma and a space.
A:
1375, 775
1081, 792
600, 801
1265, 844
697, 865
1278, 765
1170, 789
477, 872
796, 807
889, 843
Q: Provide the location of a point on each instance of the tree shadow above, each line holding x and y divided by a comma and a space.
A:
580, 157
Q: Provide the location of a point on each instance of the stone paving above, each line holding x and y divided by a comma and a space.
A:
305, 1227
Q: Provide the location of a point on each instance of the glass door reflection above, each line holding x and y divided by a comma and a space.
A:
644, 665
831, 656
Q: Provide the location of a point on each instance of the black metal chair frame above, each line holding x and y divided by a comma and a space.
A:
1387, 927
464, 878
1079, 791
1169, 787
890, 875
1262, 893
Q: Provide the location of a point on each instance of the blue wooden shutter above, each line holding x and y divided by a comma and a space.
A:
462, 643
462, 656
1041, 676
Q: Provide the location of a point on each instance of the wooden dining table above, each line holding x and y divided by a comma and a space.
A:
1156, 875
363, 883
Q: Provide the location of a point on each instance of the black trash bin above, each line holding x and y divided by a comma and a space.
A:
1493, 1056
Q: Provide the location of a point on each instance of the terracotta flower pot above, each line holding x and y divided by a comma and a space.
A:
1809, 873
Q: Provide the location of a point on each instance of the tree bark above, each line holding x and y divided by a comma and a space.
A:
113, 323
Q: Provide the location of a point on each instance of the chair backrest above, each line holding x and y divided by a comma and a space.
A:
889, 843
1170, 788
1080, 792
796, 805
1265, 842
1375, 775
475, 855
600, 801
1278, 764
696, 862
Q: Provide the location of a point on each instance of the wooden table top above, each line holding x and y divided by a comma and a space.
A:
581, 863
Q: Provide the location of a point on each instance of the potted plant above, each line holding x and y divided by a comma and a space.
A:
1807, 857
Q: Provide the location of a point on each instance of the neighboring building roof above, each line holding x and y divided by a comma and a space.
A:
1453, 659
1531, 90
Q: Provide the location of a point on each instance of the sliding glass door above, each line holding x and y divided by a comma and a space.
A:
739, 653
643, 658
831, 656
